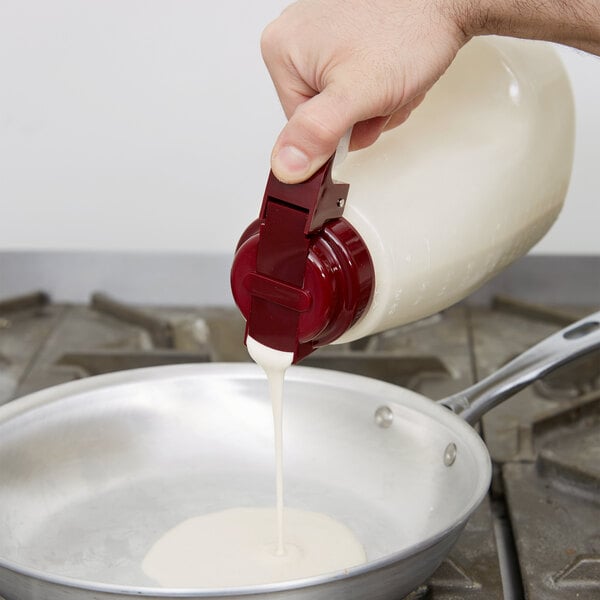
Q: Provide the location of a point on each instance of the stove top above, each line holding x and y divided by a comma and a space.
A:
537, 534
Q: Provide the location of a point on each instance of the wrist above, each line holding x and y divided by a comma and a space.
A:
574, 23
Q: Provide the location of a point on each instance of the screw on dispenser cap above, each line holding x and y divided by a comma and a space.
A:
302, 275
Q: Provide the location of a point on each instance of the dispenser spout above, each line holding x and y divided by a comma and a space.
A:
286, 288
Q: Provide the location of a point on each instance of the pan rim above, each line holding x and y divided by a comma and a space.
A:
390, 393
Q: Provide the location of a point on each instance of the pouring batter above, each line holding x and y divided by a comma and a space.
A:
249, 546
274, 363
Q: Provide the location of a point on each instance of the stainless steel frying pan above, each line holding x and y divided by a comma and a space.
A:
93, 472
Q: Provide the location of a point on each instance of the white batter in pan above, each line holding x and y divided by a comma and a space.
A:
250, 546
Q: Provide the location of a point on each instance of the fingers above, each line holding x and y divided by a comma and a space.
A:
367, 132
290, 86
316, 126
313, 133
401, 115
338, 64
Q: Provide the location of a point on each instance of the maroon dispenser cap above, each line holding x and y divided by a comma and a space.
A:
301, 275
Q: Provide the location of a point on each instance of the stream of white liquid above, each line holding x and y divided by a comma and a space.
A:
275, 363
250, 546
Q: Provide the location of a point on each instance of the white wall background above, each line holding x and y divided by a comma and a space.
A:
148, 124
576, 231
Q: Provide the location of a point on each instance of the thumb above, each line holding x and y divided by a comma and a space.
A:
313, 133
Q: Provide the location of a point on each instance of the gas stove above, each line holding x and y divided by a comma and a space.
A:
537, 534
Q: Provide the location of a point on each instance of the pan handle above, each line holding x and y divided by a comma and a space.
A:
575, 340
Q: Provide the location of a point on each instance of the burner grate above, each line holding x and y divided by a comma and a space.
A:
540, 528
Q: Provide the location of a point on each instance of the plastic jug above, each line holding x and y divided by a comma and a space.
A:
434, 208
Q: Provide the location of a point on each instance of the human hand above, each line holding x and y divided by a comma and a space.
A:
342, 63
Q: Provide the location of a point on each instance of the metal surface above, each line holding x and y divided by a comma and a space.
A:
539, 312
82, 475
33, 300
25, 325
161, 330
59, 343
545, 443
575, 340
190, 416
198, 279
559, 549
466, 342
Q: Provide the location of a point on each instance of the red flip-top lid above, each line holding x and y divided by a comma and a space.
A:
301, 275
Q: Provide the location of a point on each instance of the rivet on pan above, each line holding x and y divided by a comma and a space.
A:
384, 417
450, 454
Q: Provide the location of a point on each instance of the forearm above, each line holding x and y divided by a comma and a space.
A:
572, 22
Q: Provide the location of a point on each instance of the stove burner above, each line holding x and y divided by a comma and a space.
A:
34, 300
540, 528
160, 329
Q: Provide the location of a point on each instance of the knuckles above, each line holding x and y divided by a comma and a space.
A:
271, 41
